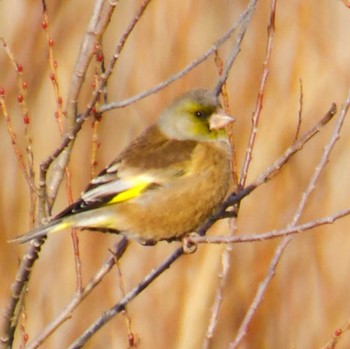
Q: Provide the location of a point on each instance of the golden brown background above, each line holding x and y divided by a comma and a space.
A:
309, 297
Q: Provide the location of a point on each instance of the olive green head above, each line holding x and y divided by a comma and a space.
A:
196, 115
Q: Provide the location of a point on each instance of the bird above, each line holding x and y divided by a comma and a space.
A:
166, 183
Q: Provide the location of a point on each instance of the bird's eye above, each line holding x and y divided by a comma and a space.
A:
199, 114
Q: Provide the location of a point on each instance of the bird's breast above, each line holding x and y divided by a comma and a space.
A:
179, 205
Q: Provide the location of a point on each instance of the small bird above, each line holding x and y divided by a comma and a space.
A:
166, 183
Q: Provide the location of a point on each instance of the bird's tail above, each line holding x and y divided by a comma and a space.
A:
52, 227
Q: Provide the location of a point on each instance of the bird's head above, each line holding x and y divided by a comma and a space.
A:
196, 115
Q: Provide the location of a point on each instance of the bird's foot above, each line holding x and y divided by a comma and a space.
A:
188, 245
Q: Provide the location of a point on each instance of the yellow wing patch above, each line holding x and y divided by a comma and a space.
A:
139, 185
60, 226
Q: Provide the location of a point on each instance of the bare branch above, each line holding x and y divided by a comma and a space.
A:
269, 173
188, 68
286, 240
244, 20
117, 308
281, 161
66, 313
277, 233
259, 295
18, 290
300, 112
97, 26
259, 102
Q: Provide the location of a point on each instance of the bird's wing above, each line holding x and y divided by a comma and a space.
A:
142, 166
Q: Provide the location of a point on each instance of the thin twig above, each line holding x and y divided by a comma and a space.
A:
259, 102
18, 290
286, 240
109, 314
274, 169
277, 233
180, 74
300, 111
126, 315
271, 171
336, 337
218, 299
26, 171
66, 313
259, 295
53, 68
97, 26
225, 265
338, 334
244, 21
225, 256
32, 253
59, 118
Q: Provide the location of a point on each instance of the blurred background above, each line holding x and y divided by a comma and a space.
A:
308, 298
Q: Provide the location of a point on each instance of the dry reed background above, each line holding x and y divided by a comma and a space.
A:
308, 298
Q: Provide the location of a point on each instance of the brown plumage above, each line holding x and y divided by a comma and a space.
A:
165, 183
194, 186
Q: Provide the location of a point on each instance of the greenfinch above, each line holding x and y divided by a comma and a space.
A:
165, 183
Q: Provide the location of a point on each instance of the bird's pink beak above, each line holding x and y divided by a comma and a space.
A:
220, 120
